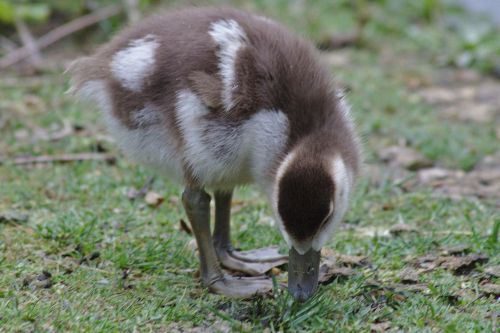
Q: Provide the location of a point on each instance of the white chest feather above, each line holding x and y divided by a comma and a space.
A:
150, 143
223, 153
220, 153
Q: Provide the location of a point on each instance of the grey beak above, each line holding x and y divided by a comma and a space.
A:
303, 270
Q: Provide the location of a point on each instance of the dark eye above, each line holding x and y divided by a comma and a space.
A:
327, 218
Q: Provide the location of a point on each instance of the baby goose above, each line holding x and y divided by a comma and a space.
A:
216, 98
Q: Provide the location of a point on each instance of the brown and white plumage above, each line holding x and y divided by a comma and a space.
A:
216, 98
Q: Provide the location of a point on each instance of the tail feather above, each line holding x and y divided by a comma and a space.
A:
83, 70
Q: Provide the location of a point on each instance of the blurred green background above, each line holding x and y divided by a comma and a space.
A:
471, 41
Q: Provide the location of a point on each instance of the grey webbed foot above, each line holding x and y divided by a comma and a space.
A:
253, 262
241, 287
197, 205
263, 255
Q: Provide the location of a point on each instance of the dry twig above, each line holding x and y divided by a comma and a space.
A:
59, 33
65, 158
26, 82
134, 194
6, 44
133, 12
29, 43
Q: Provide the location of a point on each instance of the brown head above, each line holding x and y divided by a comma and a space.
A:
310, 197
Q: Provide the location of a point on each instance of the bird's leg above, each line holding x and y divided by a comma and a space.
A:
222, 229
254, 262
197, 205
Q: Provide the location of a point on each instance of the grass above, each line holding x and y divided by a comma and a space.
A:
85, 232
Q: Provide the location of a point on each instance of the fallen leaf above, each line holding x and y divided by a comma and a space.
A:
437, 95
328, 43
405, 157
483, 181
275, 271
34, 103
378, 174
399, 297
125, 281
408, 276
103, 282
429, 262
173, 200
466, 75
340, 58
493, 270
471, 111
327, 253
188, 270
54, 133
328, 273
333, 265
455, 249
41, 281
463, 265
22, 134
372, 284
380, 327
490, 289
125, 273
44, 276
43, 284
459, 265
13, 217
388, 206
371, 232
92, 256
62, 132
464, 294
27, 281
237, 206
402, 228
351, 260
382, 295
153, 199
429, 175
419, 287
134, 193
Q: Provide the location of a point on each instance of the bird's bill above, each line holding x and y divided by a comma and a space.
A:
303, 272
